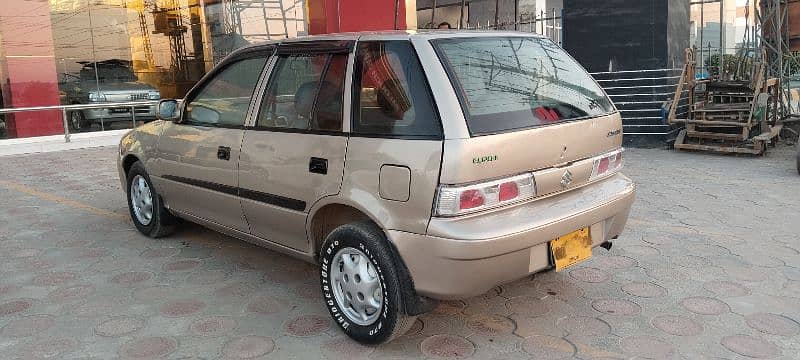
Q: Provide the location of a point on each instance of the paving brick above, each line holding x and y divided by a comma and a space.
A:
693, 276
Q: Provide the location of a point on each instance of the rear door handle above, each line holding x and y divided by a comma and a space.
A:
318, 166
224, 153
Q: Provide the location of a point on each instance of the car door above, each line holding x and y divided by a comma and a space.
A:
293, 155
197, 166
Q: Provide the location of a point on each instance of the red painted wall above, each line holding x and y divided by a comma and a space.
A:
332, 16
27, 67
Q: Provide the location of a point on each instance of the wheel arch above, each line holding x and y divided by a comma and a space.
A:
327, 216
127, 162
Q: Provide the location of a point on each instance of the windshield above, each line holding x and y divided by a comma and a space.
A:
510, 83
107, 73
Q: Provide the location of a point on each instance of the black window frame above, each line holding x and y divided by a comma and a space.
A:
328, 60
239, 55
355, 100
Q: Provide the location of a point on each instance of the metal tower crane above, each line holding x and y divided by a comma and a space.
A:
140, 6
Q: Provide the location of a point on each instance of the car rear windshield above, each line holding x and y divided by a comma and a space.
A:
511, 83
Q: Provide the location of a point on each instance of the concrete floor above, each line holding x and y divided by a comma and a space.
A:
709, 267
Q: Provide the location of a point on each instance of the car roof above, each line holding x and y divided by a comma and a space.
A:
396, 35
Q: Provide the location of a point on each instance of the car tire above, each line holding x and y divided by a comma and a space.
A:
363, 241
77, 121
147, 210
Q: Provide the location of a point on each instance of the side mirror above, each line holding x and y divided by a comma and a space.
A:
168, 110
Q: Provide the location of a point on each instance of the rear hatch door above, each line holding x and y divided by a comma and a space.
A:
529, 106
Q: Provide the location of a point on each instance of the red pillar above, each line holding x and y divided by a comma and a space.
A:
332, 16
28, 67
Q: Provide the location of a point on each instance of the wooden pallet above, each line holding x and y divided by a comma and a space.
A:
729, 113
757, 146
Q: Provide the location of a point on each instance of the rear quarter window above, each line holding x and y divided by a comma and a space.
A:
513, 83
391, 96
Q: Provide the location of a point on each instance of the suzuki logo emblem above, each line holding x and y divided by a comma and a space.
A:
566, 179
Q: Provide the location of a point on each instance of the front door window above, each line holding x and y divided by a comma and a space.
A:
224, 100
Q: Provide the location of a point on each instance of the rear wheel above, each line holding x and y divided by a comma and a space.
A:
361, 286
147, 211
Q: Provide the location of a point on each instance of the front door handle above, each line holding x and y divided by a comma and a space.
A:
318, 166
224, 153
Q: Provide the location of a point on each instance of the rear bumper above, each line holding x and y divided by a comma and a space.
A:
467, 256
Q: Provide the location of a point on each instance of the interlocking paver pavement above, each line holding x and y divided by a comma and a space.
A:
709, 267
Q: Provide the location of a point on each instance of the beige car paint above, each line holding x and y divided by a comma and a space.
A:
454, 124
467, 256
360, 186
189, 151
144, 144
521, 151
277, 163
448, 258
395, 183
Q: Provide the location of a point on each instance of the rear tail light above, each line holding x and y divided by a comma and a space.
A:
508, 191
455, 200
471, 199
460, 200
607, 164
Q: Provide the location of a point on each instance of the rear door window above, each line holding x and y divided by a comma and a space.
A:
511, 83
392, 93
305, 93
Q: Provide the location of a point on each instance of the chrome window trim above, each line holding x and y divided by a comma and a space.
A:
255, 101
347, 103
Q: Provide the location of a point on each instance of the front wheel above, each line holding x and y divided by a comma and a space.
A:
361, 286
147, 211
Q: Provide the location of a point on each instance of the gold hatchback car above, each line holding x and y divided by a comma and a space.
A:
411, 166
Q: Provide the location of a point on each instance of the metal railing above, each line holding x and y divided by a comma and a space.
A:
641, 97
65, 109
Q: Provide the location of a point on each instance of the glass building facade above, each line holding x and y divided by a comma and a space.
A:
89, 51
721, 26
537, 16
